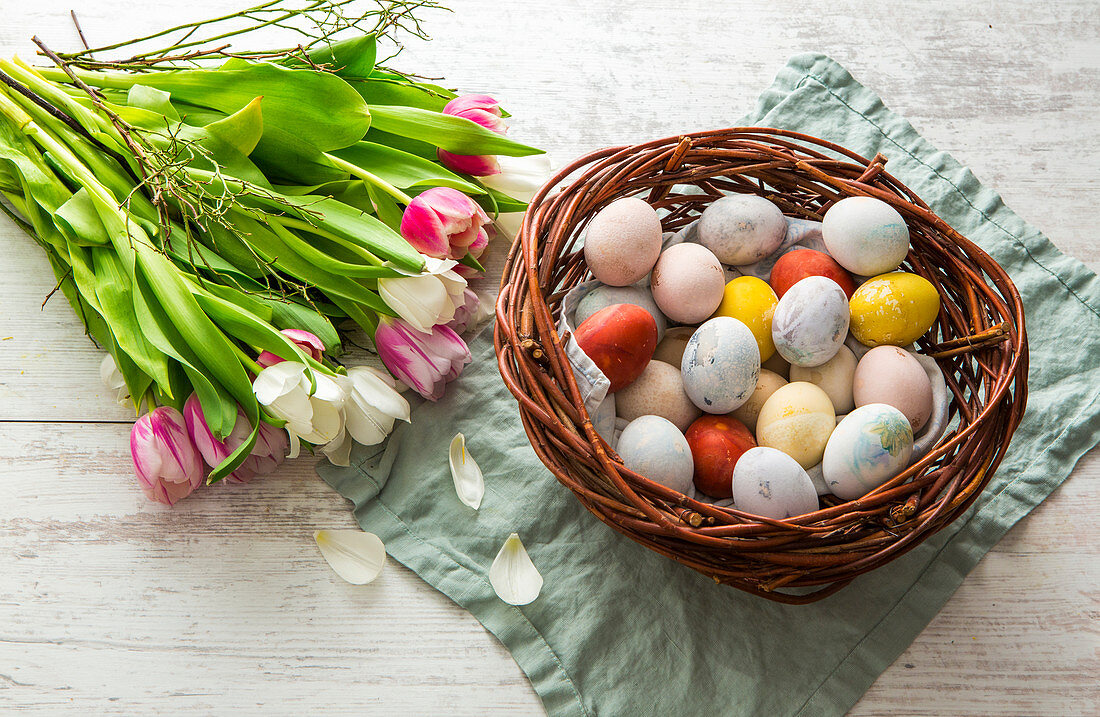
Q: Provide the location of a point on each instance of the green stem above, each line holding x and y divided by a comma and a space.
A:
292, 223
357, 171
248, 362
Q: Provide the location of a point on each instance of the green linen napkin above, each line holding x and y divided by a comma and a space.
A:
619, 630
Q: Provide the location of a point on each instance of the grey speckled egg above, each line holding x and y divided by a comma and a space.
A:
811, 321
623, 242
603, 296
769, 483
659, 391
652, 447
742, 228
720, 365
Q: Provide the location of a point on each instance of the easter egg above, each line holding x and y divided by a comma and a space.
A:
796, 265
720, 365
890, 375
895, 308
620, 340
652, 447
767, 383
659, 391
752, 302
603, 296
778, 365
865, 235
716, 444
834, 377
671, 347
687, 283
623, 241
771, 484
869, 446
810, 321
797, 419
742, 228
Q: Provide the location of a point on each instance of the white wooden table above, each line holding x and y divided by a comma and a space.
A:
112, 605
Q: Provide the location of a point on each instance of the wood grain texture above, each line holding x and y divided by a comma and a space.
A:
112, 605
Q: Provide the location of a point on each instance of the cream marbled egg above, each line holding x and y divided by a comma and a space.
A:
767, 383
865, 235
659, 391
687, 283
623, 242
652, 447
797, 419
811, 321
603, 296
769, 483
870, 445
834, 377
890, 375
742, 228
720, 365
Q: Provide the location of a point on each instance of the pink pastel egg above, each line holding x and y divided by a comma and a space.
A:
687, 283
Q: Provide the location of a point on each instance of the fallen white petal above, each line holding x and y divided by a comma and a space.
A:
469, 482
354, 555
513, 576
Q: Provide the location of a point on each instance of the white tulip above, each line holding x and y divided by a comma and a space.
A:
113, 380
372, 407
425, 299
520, 177
318, 418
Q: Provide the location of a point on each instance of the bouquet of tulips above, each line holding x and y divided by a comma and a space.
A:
219, 218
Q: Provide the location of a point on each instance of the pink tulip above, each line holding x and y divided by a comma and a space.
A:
424, 362
445, 223
466, 314
485, 111
267, 454
310, 344
166, 462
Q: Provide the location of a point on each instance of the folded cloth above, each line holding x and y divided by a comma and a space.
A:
620, 630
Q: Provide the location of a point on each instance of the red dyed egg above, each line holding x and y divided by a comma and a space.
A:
620, 340
717, 442
794, 266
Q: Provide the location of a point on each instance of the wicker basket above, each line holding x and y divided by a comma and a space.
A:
978, 341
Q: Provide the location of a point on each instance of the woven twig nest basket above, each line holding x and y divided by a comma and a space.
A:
978, 340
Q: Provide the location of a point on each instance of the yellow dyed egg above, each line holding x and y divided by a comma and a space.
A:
895, 309
752, 302
798, 420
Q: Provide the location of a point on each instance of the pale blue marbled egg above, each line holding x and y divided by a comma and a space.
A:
603, 296
653, 447
868, 447
769, 483
720, 365
742, 228
810, 322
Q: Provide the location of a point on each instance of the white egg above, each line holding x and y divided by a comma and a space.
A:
811, 321
769, 483
603, 296
869, 446
720, 365
835, 377
742, 228
865, 235
652, 447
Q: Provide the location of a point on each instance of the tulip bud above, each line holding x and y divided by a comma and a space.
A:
315, 416
423, 361
309, 343
485, 111
444, 223
471, 313
267, 454
166, 462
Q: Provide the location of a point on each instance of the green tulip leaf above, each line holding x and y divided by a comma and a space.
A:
402, 169
454, 134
